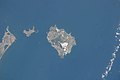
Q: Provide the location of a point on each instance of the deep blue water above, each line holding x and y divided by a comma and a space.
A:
91, 22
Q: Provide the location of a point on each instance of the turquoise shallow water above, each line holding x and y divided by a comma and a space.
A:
92, 22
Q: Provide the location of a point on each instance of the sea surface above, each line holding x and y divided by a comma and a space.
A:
93, 23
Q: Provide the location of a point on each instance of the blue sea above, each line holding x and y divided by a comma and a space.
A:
93, 23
